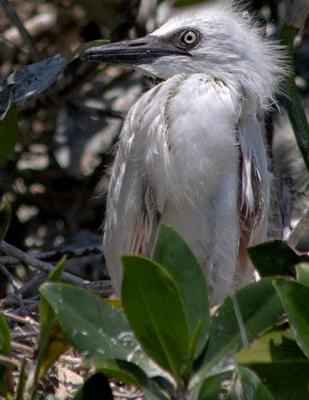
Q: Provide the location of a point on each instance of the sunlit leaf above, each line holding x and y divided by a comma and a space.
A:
280, 363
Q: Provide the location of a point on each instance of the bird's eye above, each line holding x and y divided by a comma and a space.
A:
189, 38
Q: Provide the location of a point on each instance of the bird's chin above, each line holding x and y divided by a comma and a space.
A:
150, 75
153, 81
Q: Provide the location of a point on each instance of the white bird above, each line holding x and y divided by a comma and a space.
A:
191, 152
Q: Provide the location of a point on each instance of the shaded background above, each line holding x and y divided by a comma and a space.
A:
56, 180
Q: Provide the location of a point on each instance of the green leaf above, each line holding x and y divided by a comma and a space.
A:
79, 53
5, 340
302, 273
33, 79
294, 297
93, 326
155, 312
8, 135
259, 307
95, 388
234, 385
274, 258
172, 252
52, 343
21, 381
5, 98
280, 363
5, 218
275, 346
128, 373
293, 101
5, 349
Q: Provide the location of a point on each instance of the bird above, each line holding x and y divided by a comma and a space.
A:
192, 152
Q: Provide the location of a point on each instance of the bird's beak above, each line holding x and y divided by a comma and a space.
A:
133, 52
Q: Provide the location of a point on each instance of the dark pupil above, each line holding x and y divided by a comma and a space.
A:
189, 37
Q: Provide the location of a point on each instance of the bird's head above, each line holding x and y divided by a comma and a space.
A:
218, 40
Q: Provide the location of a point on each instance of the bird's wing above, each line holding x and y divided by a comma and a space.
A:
132, 214
178, 162
254, 187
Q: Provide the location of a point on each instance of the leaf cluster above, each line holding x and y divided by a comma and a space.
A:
165, 339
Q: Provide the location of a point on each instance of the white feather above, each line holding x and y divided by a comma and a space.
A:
192, 153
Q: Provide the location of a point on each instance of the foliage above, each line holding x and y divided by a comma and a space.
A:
59, 119
149, 344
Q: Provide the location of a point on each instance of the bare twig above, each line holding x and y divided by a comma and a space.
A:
21, 348
27, 289
101, 288
6, 360
37, 264
22, 320
10, 279
12, 15
55, 255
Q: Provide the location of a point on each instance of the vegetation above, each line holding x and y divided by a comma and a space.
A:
59, 118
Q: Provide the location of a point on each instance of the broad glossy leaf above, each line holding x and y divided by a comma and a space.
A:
8, 135
294, 298
274, 258
259, 307
5, 218
241, 383
174, 254
92, 326
34, 79
128, 373
279, 362
302, 273
155, 312
95, 388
